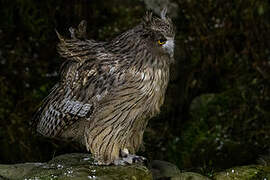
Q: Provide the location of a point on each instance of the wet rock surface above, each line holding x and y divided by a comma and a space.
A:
79, 166
73, 166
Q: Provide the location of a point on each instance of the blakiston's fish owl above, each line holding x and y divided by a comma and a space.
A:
109, 90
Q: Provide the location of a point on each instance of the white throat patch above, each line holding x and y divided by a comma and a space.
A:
169, 46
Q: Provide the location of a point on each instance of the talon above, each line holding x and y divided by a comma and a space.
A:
124, 152
130, 159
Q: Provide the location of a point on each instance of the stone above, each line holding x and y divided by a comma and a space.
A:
75, 166
244, 173
164, 170
190, 176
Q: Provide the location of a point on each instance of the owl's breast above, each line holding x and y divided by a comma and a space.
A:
154, 85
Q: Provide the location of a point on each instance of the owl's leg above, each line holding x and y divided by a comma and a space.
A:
127, 158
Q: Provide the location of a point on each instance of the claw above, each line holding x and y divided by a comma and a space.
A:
120, 162
127, 158
134, 159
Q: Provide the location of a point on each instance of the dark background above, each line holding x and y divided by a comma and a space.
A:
217, 108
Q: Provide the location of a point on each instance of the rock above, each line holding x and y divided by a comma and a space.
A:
164, 170
81, 166
244, 173
190, 176
73, 166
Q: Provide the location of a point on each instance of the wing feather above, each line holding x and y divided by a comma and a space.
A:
87, 76
82, 87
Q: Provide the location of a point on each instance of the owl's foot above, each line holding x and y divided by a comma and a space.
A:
130, 159
127, 159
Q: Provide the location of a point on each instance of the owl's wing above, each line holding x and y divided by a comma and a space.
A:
82, 86
86, 77
56, 109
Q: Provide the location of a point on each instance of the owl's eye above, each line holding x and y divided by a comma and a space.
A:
162, 41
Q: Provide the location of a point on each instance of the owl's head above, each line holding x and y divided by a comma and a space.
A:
162, 32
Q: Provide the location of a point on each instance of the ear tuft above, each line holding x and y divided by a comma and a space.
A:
163, 13
148, 17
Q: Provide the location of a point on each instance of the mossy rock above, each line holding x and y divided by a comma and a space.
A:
250, 172
74, 166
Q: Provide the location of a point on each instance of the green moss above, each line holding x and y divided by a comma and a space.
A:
74, 166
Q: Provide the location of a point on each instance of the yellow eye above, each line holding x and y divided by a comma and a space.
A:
161, 41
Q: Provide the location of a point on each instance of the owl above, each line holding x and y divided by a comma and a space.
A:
109, 90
